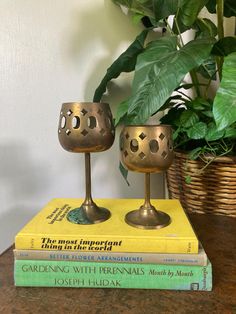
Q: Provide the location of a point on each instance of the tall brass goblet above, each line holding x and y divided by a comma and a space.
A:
86, 127
147, 149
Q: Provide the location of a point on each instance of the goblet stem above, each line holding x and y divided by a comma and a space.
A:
147, 217
147, 203
88, 198
86, 127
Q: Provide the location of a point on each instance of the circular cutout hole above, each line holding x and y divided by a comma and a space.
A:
76, 122
63, 122
170, 145
154, 146
134, 145
92, 122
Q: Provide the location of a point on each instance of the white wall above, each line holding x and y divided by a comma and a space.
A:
55, 51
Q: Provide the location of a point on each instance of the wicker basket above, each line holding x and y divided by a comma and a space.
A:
212, 191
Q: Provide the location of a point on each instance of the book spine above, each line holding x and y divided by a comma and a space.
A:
108, 275
113, 244
199, 259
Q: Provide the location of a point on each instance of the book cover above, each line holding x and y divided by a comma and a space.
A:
112, 275
115, 257
50, 230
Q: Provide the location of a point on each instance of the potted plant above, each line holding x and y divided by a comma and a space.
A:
203, 175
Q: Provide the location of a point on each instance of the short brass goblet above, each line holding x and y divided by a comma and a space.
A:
86, 127
147, 149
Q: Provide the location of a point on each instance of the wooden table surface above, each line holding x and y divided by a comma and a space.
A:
218, 235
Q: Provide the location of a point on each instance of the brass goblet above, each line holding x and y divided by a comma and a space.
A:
147, 149
86, 127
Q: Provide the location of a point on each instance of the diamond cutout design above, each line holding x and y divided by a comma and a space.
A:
100, 112
84, 132
126, 153
102, 131
127, 135
83, 111
142, 155
164, 154
69, 112
68, 132
142, 136
162, 136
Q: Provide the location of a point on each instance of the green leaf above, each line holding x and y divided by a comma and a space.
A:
213, 133
188, 118
152, 53
195, 153
178, 26
172, 116
121, 111
124, 63
159, 72
229, 7
136, 18
189, 10
205, 28
197, 131
199, 104
176, 134
124, 172
230, 133
208, 68
164, 8
188, 179
224, 46
224, 106
208, 113
143, 7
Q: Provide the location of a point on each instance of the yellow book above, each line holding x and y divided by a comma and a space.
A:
50, 230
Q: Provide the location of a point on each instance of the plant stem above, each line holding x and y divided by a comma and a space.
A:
195, 82
220, 27
220, 18
192, 73
209, 84
178, 29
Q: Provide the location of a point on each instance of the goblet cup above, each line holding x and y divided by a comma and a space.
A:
147, 149
86, 127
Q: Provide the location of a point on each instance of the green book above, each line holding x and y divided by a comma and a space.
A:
41, 273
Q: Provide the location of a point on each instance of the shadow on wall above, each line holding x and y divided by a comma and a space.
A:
105, 169
22, 181
103, 28
20, 175
11, 222
107, 27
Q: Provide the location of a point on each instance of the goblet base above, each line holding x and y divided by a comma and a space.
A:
147, 218
88, 215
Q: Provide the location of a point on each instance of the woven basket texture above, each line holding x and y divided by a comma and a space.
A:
212, 190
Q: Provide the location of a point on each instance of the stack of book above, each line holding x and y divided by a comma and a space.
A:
50, 251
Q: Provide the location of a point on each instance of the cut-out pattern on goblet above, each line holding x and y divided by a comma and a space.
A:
147, 149
84, 128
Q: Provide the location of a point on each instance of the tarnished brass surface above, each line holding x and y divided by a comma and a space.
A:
86, 127
147, 149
